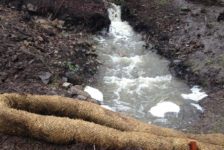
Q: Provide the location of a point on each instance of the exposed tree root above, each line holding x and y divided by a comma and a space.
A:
62, 120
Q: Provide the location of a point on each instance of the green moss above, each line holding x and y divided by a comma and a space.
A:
72, 67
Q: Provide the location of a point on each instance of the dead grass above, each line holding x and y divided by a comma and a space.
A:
63, 120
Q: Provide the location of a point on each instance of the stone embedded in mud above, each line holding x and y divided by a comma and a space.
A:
66, 85
31, 7
45, 77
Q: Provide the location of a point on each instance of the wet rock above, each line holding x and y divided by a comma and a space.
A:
76, 91
45, 77
66, 85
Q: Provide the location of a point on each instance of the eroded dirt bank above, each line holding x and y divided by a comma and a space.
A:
41, 50
190, 34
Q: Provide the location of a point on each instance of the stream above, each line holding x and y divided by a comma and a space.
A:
137, 82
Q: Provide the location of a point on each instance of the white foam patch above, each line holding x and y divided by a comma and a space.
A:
197, 106
164, 107
94, 93
196, 94
138, 84
119, 59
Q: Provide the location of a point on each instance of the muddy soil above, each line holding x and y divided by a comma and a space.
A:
37, 56
190, 34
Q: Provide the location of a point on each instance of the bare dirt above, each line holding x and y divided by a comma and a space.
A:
37, 56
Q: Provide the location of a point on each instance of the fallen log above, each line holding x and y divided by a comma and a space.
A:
63, 120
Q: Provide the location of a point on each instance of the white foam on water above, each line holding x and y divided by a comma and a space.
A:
94, 93
196, 94
136, 85
164, 107
129, 60
197, 106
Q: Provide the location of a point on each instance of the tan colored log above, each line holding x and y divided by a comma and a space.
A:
58, 119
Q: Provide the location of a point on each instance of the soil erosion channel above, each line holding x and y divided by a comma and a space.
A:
137, 82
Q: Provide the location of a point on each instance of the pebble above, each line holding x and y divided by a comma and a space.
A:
67, 85
45, 77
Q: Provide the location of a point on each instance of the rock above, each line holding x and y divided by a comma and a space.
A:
75, 91
78, 87
64, 79
73, 77
176, 62
185, 9
40, 39
67, 85
45, 77
31, 7
81, 97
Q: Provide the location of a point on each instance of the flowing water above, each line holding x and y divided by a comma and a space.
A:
137, 82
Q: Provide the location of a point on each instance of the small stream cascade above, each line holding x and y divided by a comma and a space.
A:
137, 82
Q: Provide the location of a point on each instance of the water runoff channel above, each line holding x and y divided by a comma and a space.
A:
137, 82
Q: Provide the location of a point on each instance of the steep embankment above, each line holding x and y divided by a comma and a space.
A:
191, 36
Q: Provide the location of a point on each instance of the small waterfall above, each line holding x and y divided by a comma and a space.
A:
137, 82
118, 28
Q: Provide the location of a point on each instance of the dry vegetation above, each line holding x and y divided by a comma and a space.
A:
63, 120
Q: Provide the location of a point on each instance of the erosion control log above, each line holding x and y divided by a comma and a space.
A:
63, 120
